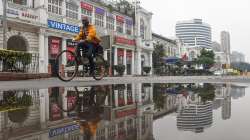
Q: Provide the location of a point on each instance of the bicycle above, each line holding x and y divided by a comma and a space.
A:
70, 68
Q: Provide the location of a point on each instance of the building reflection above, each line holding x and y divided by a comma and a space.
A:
116, 112
193, 104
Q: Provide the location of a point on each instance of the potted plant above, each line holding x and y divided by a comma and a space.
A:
146, 69
119, 69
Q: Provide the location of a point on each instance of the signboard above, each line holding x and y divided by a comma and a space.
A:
71, 46
63, 26
120, 52
120, 18
29, 15
56, 113
86, 6
124, 113
99, 11
122, 40
62, 130
54, 45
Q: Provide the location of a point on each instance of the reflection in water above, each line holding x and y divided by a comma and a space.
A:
193, 103
111, 112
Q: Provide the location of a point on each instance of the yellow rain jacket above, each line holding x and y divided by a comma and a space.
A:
91, 35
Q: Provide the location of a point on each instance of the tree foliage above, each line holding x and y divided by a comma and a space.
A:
206, 58
158, 54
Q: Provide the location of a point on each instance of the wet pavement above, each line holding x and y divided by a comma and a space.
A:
131, 111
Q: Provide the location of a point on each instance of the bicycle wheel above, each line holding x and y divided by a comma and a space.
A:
99, 68
68, 66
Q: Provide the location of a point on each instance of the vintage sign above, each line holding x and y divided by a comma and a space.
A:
86, 6
63, 26
122, 40
62, 130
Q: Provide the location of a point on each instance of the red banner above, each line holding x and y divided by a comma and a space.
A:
120, 114
122, 40
86, 6
55, 112
120, 52
129, 54
119, 18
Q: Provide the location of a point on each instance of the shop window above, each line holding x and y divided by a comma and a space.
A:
128, 29
99, 20
110, 21
71, 11
55, 6
111, 131
87, 13
119, 27
21, 2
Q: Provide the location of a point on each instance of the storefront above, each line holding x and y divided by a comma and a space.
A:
59, 38
123, 54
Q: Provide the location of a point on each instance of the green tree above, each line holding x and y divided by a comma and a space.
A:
206, 58
158, 54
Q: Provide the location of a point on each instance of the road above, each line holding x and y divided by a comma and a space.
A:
54, 82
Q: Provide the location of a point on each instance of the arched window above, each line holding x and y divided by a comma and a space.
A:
16, 43
142, 28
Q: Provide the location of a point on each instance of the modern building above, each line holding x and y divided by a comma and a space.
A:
170, 46
194, 33
44, 28
237, 57
225, 45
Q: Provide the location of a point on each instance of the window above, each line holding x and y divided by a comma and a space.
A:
55, 6
142, 29
110, 23
71, 11
99, 20
88, 14
119, 27
21, 2
128, 29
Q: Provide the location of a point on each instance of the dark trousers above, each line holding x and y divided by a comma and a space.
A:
90, 52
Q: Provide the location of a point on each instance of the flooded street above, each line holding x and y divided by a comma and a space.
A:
137, 111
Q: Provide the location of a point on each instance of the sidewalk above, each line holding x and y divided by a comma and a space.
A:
10, 76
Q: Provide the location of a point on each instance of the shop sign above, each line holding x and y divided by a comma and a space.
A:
63, 26
30, 16
120, 18
124, 113
110, 15
62, 130
55, 112
12, 12
54, 46
99, 11
129, 22
122, 40
86, 6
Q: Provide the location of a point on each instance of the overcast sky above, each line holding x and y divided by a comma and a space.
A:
229, 15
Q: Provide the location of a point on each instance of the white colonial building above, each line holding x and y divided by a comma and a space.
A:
46, 27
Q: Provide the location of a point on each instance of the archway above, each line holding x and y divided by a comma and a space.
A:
17, 43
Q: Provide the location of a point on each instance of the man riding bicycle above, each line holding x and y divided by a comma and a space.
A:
89, 39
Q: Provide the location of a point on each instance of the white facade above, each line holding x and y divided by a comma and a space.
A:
45, 27
225, 44
237, 57
170, 46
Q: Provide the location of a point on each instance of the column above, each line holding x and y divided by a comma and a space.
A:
47, 105
151, 93
105, 55
116, 98
151, 62
138, 66
133, 63
133, 93
64, 47
64, 102
41, 51
115, 59
42, 93
125, 61
125, 95
46, 53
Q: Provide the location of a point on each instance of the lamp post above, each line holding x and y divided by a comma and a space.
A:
4, 24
